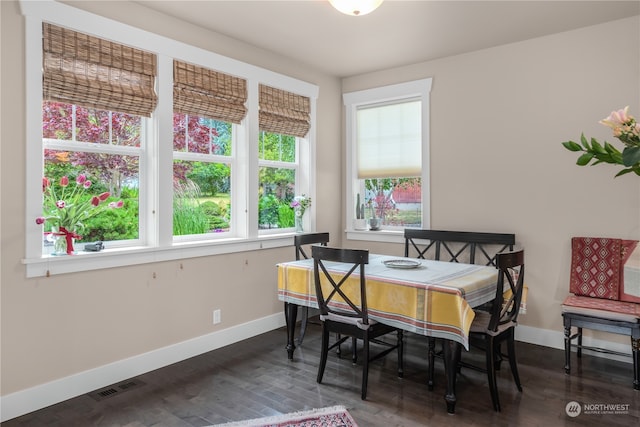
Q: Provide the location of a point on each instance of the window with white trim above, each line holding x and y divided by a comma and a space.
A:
176, 168
388, 157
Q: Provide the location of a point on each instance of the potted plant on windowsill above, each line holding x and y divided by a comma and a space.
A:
359, 223
67, 208
374, 222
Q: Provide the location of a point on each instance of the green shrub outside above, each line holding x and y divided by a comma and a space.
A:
286, 215
114, 224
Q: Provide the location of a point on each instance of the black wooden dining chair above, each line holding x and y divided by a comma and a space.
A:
300, 242
343, 308
489, 330
454, 246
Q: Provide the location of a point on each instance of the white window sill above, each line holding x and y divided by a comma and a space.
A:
120, 257
386, 236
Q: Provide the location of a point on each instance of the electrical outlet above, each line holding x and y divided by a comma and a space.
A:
216, 317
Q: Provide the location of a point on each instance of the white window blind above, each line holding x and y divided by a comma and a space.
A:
389, 140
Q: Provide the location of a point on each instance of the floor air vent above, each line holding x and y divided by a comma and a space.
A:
113, 390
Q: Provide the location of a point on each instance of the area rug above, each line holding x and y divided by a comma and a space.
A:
334, 416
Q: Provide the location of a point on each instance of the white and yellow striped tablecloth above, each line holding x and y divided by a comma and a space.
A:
434, 299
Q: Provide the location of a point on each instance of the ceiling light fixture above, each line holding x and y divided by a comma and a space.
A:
356, 7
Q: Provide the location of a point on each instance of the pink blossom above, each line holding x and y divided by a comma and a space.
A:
81, 179
64, 181
104, 196
45, 184
116, 205
87, 184
95, 201
40, 220
60, 204
617, 118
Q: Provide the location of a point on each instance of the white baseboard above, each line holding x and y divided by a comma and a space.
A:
25, 401
555, 339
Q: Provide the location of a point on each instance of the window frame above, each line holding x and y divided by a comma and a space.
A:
417, 89
156, 242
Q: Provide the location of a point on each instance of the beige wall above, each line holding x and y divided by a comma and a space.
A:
59, 326
498, 117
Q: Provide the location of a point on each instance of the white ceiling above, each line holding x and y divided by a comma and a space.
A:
399, 32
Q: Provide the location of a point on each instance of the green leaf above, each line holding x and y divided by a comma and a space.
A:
631, 156
584, 159
623, 172
584, 141
572, 146
610, 148
597, 147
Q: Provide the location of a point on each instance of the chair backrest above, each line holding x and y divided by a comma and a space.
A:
457, 246
299, 240
339, 299
511, 274
597, 267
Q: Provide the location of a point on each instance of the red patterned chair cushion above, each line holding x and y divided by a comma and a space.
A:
602, 308
595, 267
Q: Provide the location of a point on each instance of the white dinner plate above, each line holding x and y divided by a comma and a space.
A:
402, 263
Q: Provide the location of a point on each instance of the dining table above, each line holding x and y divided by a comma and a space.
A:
426, 297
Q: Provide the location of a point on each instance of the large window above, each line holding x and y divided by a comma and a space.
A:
388, 157
184, 152
284, 119
90, 153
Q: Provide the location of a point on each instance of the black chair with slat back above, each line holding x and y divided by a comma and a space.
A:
300, 241
343, 308
457, 246
454, 246
491, 329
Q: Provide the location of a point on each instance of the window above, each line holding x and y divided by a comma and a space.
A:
206, 105
179, 140
388, 157
99, 151
284, 119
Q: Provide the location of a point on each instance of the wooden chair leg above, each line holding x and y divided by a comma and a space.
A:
324, 353
635, 345
567, 348
400, 353
365, 366
354, 350
511, 349
491, 374
304, 311
579, 352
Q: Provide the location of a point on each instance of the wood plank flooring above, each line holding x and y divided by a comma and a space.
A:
254, 379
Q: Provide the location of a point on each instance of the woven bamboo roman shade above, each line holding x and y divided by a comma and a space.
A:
93, 72
284, 112
203, 92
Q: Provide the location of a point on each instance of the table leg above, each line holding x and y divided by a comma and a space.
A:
451, 354
290, 312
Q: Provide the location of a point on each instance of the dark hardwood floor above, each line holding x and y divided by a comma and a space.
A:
253, 379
